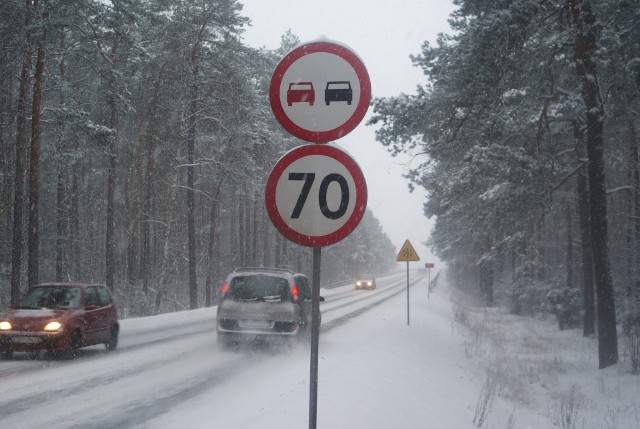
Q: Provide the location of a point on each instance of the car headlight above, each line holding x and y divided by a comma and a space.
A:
5, 326
53, 326
369, 283
358, 283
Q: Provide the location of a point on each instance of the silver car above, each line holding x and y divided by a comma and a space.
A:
269, 304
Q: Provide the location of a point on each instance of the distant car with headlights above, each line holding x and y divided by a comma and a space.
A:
61, 318
366, 281
264, 304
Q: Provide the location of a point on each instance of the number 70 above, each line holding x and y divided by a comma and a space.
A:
322, 194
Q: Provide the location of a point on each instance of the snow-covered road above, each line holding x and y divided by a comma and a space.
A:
162, 362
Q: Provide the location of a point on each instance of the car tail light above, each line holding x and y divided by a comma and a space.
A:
296, 295
224, 288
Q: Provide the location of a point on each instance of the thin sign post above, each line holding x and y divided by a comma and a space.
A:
407, 253
315, 338
428, 266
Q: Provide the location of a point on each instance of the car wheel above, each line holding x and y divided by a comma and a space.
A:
112, 344
223, 343
304, 332
74, 345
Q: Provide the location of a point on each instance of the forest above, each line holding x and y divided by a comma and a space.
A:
136, 141
527, 134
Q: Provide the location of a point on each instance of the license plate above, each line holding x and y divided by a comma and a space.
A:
25, 340
262, 324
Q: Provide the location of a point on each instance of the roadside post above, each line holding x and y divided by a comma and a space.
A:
428, 266
407, 253
316, 194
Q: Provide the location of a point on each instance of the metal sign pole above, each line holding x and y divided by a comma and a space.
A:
429, 286
315, 339
407, 293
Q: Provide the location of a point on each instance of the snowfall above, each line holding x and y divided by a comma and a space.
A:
430, 361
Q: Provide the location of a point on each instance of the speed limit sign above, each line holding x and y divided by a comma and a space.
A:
316, 195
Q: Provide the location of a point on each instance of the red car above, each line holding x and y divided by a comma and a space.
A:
60, 317
301, 92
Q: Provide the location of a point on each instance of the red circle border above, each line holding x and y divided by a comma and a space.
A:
358, 211
351, 123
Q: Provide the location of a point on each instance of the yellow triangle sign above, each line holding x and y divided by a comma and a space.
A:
407, 253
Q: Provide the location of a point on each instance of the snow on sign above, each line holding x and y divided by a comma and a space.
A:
316, 195
320, 91
407, 253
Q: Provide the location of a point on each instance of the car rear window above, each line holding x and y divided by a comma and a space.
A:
304, 86
338, 85
258, 288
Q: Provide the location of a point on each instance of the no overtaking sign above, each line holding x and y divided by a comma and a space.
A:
320, 91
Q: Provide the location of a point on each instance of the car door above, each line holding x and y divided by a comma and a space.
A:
106, 314
90, 315
96, 317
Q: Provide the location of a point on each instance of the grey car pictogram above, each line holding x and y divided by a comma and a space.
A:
338, 91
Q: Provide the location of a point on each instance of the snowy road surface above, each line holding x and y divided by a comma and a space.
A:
169, 373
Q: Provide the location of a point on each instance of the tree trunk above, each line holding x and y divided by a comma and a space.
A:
214, 222
634, 173
242, 213
167, 230
147, 182
585, 48
9, 161
21, 147
34, 161
145, 257
266, 247
278, 252
254, 235
191, 205
61, 216
110, 239
569, 253
589, 318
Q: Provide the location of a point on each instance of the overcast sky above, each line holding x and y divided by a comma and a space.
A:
383, 34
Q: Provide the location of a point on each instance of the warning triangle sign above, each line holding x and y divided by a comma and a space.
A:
407, 253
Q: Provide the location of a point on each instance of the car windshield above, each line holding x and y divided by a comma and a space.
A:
51, 297
338, 85
258, 288
302, 86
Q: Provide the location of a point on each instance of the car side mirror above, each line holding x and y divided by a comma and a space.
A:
13, 307
322, 299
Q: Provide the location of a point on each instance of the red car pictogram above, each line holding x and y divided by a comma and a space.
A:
301, 92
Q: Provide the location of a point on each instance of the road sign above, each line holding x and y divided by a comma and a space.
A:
407, 253
320, 91
429, 265
316, 195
